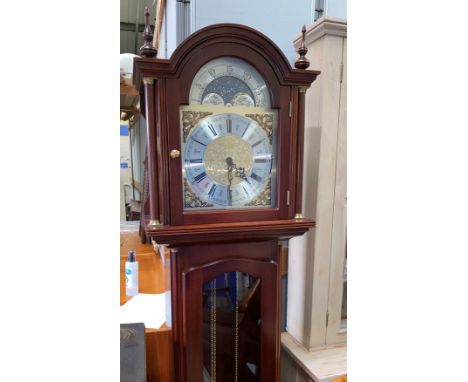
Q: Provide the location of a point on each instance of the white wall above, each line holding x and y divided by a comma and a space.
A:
280, 20
336, 8
168, 38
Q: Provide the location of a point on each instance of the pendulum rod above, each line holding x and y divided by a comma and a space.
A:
213, 330
236, 334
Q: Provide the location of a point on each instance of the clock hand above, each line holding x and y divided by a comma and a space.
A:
231, 166
240, 171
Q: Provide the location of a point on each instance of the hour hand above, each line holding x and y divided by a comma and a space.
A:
230, 167
240, 172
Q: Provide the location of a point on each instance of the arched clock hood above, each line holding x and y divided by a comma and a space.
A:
220, 40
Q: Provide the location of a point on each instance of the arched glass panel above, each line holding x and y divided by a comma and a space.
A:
231, 328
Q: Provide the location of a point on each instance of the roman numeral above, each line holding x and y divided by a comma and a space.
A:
242, 136
200, 177
256, 177
212, 191
196, 160
246, 192
258, 142
260, 160
198, 142
212, 128
229, 125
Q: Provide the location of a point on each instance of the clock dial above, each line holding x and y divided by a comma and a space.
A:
229, 81
228, 160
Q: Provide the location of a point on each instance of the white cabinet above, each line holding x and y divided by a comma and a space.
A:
317, 283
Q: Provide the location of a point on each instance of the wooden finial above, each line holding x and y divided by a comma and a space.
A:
302, 62
147, 49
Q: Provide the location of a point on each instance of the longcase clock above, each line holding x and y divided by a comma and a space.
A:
225, 119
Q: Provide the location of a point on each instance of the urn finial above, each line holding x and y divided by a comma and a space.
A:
302, 62
147, 49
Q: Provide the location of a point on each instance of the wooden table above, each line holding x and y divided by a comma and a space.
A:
159, 361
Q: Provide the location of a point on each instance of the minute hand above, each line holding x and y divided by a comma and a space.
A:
230, 167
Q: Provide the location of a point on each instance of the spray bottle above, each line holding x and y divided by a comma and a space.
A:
131, 275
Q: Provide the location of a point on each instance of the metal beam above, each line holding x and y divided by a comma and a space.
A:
130, 27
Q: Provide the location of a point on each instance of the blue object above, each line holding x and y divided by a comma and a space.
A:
123, 130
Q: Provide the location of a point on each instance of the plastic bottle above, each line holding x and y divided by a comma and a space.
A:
131, 275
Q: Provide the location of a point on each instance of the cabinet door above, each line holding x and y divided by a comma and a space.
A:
232, 321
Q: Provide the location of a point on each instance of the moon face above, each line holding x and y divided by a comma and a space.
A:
229, 80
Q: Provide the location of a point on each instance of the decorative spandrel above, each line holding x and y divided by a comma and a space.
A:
231, 328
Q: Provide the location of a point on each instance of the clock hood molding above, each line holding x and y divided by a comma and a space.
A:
223, 35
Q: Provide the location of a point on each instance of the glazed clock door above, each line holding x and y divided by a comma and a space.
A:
229, 162
232, 316
229, 145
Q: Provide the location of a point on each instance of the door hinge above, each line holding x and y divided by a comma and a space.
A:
287, 197
290, 109
326, 321
341, 73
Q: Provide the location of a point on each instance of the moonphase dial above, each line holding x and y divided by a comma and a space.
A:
229, 81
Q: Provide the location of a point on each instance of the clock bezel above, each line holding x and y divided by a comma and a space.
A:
208, 112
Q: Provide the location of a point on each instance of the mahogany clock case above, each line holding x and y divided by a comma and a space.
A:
169, 88
240, 337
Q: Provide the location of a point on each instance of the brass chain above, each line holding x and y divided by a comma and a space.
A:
236, 335
213, 330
